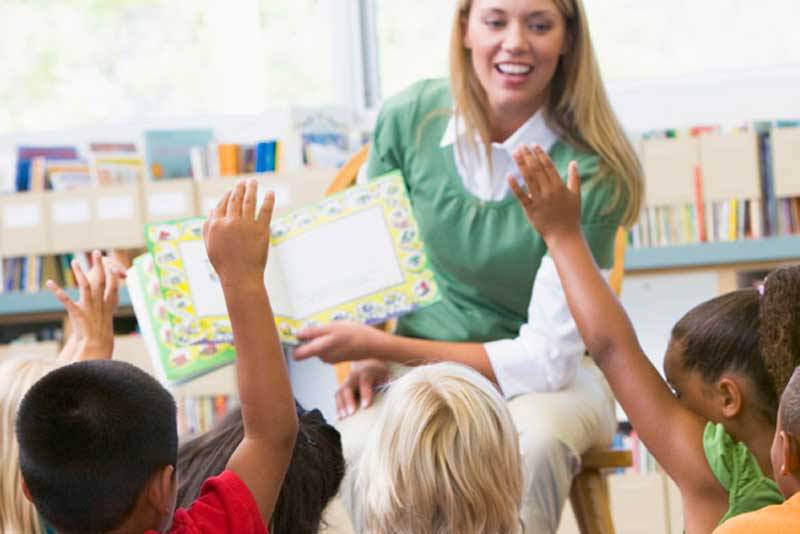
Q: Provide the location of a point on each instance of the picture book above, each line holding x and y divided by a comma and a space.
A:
356, 255
176, 355
168, 152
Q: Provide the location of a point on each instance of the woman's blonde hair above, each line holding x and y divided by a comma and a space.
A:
577, 106
17, 374
443, 458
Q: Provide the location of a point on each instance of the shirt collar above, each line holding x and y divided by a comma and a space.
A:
534, 130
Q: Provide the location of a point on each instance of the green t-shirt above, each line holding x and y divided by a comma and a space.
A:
484, 253
737, 470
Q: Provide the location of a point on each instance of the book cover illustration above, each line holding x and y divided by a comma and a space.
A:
178, 355
355, 256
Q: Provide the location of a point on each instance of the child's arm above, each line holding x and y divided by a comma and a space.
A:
92, 317
669, 430
237, 243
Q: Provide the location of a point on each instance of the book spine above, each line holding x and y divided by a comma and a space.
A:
228, 159
197, 156
733, 211
261, 156
212, 159
699, 204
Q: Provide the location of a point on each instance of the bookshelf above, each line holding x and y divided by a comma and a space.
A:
752, 251
22, 307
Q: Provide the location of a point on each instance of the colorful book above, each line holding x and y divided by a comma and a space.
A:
266, 153
174, 358
353, 256
228, 159
25, 155
116, 164
168, 152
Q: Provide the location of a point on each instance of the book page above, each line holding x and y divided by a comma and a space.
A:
204, 285
275, 281
206, 291
338, 262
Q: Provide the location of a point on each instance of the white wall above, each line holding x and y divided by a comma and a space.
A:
725, 98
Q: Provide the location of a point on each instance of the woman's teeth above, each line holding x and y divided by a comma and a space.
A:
510, 68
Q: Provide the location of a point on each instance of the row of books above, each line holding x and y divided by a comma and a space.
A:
709, 184
167, 154
198, 414
30, 272
643, 461
231, 159
61, 168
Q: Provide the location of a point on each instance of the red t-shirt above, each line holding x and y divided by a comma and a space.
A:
225, 505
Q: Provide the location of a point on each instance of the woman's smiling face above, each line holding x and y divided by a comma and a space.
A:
516, 46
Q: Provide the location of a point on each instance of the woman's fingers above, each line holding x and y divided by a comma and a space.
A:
315, 347
521, 195
365, 390
549, 173
574, 177
543, 182
348, 400
526, 170
341, 408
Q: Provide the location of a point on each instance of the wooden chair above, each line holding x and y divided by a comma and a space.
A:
589, 495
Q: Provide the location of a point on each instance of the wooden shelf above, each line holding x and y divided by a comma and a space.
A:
770, 249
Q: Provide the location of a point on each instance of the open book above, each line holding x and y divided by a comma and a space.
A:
353, 256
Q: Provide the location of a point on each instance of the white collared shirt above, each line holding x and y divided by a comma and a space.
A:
546, 353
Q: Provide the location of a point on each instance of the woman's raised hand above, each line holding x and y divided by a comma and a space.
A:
552, 208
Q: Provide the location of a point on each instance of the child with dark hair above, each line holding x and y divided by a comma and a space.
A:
92, 337
783, 518
711, 429
313, 478
98, 440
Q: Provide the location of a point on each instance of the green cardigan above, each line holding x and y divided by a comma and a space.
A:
484, 253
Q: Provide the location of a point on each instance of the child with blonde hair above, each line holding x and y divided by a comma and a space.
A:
92, 337
444, 457
710, 424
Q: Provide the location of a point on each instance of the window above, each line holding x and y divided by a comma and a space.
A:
638, 39
634, 39
413, 41
76, 63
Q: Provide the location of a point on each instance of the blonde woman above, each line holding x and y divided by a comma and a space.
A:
522, 72
92, 338
443, 457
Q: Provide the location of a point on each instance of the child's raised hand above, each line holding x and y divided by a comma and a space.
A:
237, 241
551, 207
92, 317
